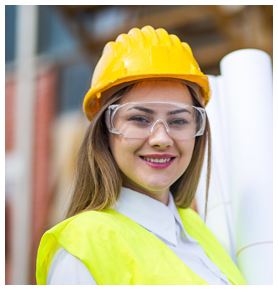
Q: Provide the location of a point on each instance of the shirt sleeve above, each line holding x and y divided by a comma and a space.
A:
66, 269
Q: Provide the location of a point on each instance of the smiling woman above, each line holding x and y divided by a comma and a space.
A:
137, 151
129, 220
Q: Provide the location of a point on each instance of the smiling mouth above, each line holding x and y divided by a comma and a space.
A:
157, 160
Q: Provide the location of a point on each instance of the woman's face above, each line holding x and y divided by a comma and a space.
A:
138, 173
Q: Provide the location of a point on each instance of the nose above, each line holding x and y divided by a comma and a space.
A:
159, 136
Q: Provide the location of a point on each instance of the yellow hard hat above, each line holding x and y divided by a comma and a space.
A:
143, 54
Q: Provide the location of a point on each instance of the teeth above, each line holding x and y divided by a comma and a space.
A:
156, 160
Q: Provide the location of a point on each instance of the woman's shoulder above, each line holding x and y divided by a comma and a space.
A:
108, 219
189, 213
192, 221
93, 217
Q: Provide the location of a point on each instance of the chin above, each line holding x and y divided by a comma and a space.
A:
147, 186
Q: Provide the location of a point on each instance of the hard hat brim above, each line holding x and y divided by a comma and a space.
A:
95, 97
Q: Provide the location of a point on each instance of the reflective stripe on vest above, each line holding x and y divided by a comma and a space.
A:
118, 251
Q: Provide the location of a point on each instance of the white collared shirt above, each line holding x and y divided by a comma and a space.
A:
163, 222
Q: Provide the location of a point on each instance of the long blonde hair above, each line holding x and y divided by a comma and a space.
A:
97, 182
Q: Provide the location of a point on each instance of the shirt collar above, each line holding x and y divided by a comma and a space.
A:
173, 209
151, 214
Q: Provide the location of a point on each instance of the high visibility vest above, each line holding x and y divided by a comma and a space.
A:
118, 251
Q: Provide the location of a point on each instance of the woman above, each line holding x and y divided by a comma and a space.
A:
138, 168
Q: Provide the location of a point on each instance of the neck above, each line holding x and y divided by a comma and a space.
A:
160, 195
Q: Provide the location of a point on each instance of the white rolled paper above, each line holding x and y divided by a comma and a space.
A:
247, 82
240, 197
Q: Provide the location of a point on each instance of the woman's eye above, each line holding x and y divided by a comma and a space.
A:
179, 122
139, 119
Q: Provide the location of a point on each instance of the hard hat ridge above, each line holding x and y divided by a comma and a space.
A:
150, 35
164, 37
138, 37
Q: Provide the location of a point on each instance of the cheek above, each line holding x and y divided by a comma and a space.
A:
123, 150
186, 149
191, 147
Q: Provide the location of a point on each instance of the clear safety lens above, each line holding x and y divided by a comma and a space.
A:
140, 119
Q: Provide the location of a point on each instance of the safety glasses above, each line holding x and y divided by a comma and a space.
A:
140, 119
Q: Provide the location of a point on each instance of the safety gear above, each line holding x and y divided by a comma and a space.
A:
140, 55
139, 119
118, 251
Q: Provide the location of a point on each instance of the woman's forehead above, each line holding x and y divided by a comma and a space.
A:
158, 91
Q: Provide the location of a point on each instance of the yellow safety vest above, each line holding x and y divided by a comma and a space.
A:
118, 251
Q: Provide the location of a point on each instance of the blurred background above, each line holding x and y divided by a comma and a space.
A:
50, 55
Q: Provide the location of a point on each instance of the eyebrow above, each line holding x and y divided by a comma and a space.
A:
178, 111
143, 109
149, 111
